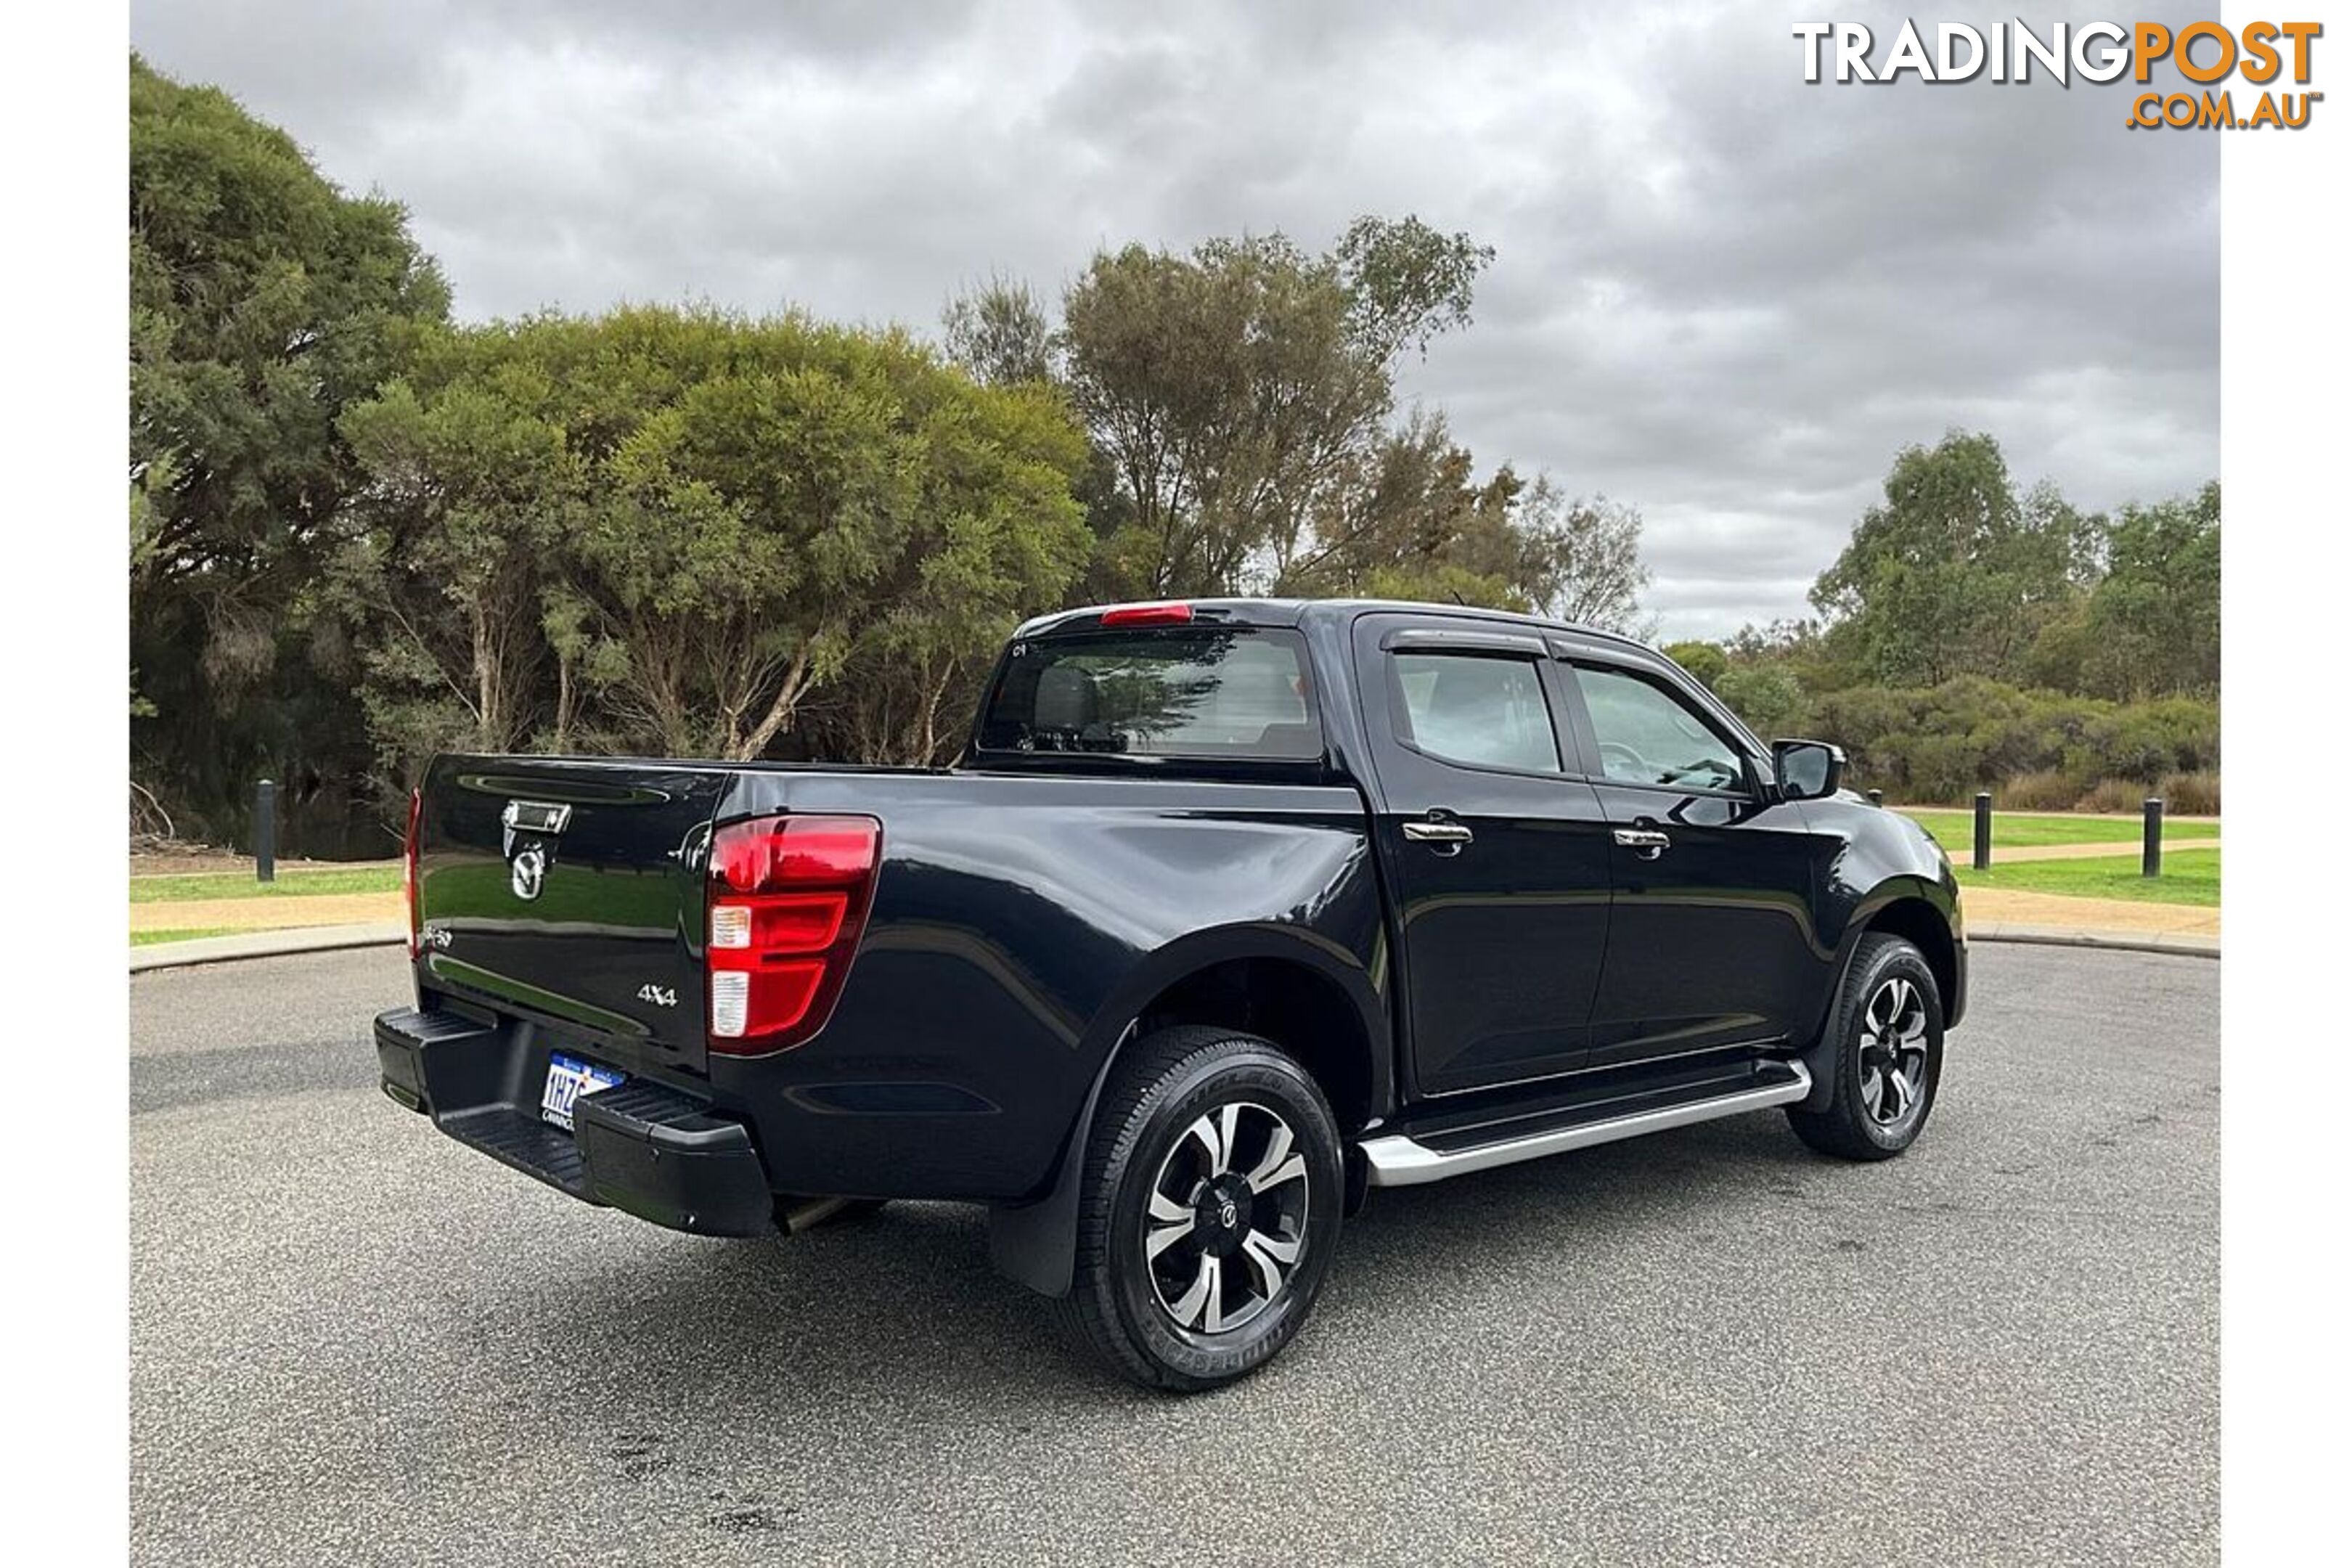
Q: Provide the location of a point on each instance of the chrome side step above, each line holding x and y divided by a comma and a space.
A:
1399, 1161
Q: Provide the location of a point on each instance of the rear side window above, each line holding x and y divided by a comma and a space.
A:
1475, 708
1197, 691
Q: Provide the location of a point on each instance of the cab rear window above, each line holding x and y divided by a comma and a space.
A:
1194, 692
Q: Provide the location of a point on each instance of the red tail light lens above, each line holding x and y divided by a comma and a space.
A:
1147, 616
409, 849
789, 897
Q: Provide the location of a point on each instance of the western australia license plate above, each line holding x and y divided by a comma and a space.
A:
569, 1078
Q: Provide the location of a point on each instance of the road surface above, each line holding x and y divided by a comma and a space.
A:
354, 1341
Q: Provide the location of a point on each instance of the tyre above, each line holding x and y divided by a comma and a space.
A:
1208, 1209
1888, 1024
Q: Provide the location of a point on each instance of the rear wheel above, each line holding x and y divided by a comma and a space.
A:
1889, 1023
1208, 1211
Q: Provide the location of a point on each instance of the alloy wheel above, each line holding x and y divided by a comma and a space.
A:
1893, 1047
1227, 1218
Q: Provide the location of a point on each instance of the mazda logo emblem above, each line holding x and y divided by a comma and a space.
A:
530, 872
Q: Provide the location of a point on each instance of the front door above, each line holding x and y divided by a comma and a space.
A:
1711, 939
1498, 861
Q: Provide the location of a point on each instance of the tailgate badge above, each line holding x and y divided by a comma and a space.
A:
531, 822
528, 872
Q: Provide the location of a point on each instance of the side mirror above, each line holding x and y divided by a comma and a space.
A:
1806, 769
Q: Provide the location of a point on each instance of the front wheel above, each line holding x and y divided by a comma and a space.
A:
1889, 1025
1208, 1211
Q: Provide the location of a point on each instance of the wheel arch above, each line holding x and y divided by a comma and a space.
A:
1917, 921
1922, 914
1282, 983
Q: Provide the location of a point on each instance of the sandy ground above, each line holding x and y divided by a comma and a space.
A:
2005, 906
265, 913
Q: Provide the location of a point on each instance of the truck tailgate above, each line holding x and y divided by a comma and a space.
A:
574, 891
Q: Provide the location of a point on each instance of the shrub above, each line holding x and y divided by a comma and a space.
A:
2195, 794
2044, 789
1944, 744
2113, 795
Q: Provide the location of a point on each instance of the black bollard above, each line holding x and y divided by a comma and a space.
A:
1878, 798
265, 831
2151, 836
1984, 832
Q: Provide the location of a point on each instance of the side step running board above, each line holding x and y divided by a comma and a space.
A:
1399, 1160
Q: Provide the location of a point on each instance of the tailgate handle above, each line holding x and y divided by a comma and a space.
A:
536, 816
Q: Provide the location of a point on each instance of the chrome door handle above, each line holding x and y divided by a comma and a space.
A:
1437, 833
1647, 842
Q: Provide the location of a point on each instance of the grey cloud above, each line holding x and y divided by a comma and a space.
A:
1720, 295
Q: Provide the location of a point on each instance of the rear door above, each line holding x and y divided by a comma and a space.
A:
1711, 935
1498, 860
573, 890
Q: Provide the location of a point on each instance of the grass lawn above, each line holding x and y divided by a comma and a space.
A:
241, 885
1957, 830
2191, 877
149, 938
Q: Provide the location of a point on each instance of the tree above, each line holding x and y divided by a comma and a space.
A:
1766, 695
263, 301
1706, 661
2154, 617
1950, 574
1408, 519
1000, 333
1231, 391
447, 562
694, 521
1407, 282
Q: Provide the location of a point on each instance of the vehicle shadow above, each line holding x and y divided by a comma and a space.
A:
900, 1309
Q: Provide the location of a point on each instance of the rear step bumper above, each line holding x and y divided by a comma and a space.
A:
1401, 1160
640, 1147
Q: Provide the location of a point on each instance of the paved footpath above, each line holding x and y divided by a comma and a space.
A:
2002, 853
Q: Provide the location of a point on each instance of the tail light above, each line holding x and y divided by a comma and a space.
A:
408, 853
788, 901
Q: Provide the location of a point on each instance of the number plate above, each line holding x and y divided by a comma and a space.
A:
569, 1078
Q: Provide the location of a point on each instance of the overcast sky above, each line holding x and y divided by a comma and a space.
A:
1719, 294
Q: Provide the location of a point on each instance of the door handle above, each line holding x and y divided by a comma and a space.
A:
1437, 833
1646, 842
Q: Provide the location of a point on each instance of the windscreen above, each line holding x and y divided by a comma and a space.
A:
1192, 691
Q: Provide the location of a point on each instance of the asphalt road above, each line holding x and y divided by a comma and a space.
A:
354, 1341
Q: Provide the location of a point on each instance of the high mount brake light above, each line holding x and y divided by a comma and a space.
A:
1147, 616
409, 850
789, 897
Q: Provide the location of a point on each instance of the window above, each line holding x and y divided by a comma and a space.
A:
1194, 692
1476, 709
1648, 736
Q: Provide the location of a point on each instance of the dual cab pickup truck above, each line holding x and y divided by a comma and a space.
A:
1230, 911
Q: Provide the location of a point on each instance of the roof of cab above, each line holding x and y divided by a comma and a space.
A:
1262, 612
